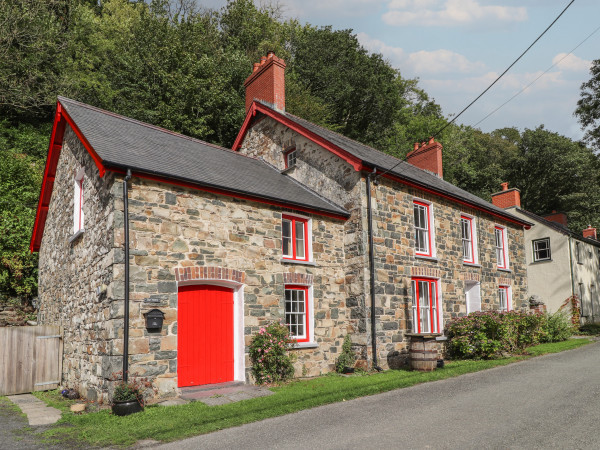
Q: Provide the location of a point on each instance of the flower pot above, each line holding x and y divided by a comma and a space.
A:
126, 408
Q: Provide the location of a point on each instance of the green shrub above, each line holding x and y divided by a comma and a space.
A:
590, 329
269, 353
347, 357
486, 335
558, 327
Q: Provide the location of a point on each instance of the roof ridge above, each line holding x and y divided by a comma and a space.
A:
144, 124
302, 185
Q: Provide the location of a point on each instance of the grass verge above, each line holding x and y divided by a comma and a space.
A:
178, 422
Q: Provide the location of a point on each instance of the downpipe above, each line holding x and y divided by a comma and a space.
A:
126, 248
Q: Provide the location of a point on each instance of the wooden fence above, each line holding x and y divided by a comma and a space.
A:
30, 359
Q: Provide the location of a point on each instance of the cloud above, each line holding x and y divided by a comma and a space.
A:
347, 8
571, 63
422, 62
449, 13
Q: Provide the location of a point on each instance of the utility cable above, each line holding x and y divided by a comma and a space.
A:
503, 73
540, 76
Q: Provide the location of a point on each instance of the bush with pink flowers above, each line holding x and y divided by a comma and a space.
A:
269, 352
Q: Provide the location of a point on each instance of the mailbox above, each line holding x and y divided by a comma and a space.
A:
154, 319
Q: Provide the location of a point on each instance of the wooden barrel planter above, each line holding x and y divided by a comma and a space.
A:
424, 352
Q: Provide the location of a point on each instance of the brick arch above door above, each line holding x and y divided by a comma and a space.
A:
209, 273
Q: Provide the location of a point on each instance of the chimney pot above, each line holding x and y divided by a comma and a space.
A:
431, 140
504, 186
416, 146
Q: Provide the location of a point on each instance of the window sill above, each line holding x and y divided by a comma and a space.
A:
429, 258
542, 261
295, 261
76, 235
505, 270
471, 264
305, 345
289, 170
437, 336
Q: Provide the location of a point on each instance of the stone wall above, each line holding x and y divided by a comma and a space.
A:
396, 263
336, 180
75, 276
173, 229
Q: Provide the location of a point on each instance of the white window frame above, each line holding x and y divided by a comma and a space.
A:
503, 249
308, 254
473, 230
290, 156
506, 291
473, 296
309, 320
430, 230
438, 323
78, 201
536, 251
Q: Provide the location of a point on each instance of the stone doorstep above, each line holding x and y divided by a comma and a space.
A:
211, 387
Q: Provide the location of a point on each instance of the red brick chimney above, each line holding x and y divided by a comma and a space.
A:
558, 217
590, 233
507, 198
427, 156
267, 82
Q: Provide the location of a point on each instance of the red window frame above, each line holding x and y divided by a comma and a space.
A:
502, 230
471, 237
427, 207
294, 220
286, 154
434, 309
506, 290
304, 289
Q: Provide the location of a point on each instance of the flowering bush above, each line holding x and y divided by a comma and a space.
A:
133, 389
271, 361
491, 333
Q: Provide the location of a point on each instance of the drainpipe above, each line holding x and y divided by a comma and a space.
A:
126, 246
372, 269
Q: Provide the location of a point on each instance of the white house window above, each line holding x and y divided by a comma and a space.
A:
425, 305
578, 253
296, 312
501, 255
472, 296
78, 198
295, 238
468, 235
424, 244
504, 298
290, 158
541, 249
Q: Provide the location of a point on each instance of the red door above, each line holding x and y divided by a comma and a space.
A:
205, 335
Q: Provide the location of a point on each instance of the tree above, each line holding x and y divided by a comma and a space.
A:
588, 106
20, 180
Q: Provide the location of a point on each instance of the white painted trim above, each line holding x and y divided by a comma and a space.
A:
310, 315
309, 223
474, 239
239, 346
431, 217
78, 201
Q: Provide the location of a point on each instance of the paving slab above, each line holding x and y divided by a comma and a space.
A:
215, 401
226, 393
38, 413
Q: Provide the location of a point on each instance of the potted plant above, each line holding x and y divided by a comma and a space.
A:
345, 362
128, 397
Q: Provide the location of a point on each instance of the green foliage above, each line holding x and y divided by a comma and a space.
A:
347, 357
20, 179
133, 389
588, 106
591, 329
558, 327
269, 353
490, 334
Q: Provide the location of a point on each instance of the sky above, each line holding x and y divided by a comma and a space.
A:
457, 48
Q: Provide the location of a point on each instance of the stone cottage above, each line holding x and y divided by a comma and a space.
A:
297, 224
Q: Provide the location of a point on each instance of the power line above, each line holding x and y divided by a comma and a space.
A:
540, 76
503, 73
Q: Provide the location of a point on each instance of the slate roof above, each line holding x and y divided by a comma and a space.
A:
406, 171
125, 143
558, 227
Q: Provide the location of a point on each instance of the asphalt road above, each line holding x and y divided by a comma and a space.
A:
547, 402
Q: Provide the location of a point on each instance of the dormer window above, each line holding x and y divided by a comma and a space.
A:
290, 158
